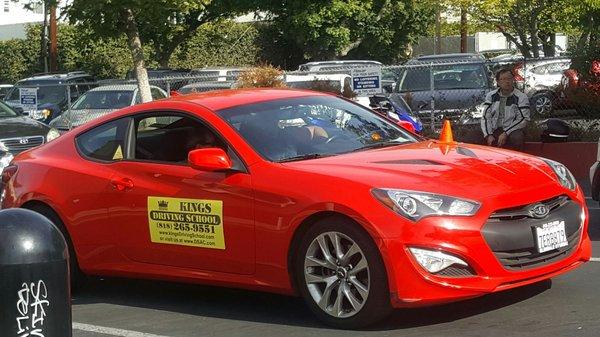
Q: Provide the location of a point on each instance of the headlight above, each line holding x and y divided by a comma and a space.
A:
416, 205
563, 174
52, 134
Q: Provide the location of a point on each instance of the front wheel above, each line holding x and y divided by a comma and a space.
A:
341, 275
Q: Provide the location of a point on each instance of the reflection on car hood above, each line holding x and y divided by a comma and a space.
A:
13, 127
78, 117
430, 166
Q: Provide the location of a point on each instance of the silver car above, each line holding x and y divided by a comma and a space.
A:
539, 79
101, 101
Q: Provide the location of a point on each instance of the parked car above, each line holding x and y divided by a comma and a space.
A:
335, 82
4, 89
236, 188
460, 83
54, 93
217, 74
165, 78
581, 92
539, 79
325, 66
204, 86
101, 101
19, 133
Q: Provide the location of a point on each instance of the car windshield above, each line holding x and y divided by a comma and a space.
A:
104, 99
6, 111
452, 76
46, 93
311, 127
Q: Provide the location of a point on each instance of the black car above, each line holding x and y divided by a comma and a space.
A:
457, 82
19, 133
55, 92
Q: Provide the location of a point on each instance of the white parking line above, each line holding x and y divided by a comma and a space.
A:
595, 259
111, 331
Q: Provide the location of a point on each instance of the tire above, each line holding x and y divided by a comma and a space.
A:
542, 104
345, 297
78, 278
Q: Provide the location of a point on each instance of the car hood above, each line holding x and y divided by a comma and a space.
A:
460, 170
13, 127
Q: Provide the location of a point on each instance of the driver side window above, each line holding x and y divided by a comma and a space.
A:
169, 138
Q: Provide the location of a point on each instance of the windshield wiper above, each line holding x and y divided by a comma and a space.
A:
304, 157
380, 145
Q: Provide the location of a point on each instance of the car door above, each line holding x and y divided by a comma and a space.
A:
167, 213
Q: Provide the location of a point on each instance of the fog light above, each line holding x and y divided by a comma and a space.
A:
433, 260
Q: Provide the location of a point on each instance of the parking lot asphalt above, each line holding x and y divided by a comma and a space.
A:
564, 306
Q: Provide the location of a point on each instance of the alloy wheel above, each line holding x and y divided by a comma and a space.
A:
337, 275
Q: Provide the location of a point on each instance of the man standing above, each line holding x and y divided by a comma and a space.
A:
506, 112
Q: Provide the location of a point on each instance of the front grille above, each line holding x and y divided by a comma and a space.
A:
456, 271
16, 145
510, 233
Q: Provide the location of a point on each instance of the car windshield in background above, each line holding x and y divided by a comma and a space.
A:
311, 127
46, 93
109, 99
6, 111
454, 76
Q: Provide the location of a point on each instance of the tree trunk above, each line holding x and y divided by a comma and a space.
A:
438, 31
137, 53
463, 29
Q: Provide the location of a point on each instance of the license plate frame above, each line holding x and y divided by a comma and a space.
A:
551, 235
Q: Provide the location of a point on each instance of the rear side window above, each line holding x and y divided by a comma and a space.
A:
105, 142
169, 138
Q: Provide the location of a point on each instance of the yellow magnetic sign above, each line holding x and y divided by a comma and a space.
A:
186, 222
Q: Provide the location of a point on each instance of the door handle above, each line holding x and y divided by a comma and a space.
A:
122, 184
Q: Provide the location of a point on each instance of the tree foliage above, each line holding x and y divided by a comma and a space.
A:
376, 29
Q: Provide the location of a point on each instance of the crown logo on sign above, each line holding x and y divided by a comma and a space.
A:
163, 204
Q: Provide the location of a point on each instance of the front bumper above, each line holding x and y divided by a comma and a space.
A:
411, 285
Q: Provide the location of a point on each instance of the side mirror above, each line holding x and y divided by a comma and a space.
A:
209, 159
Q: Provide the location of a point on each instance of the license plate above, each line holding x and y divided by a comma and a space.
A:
551, 235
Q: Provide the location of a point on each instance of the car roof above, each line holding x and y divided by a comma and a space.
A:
224, 99
340, 62
55, 77
119, 87
451, 56
448, 58
316, 77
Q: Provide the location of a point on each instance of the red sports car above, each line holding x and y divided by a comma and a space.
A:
298, 192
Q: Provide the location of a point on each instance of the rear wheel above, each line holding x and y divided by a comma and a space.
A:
78, 278
341, 275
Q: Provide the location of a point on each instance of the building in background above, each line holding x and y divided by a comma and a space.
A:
14, 17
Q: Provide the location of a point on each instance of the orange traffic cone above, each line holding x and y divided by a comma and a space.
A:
446, 134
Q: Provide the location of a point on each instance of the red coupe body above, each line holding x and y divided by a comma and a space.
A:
267, 206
